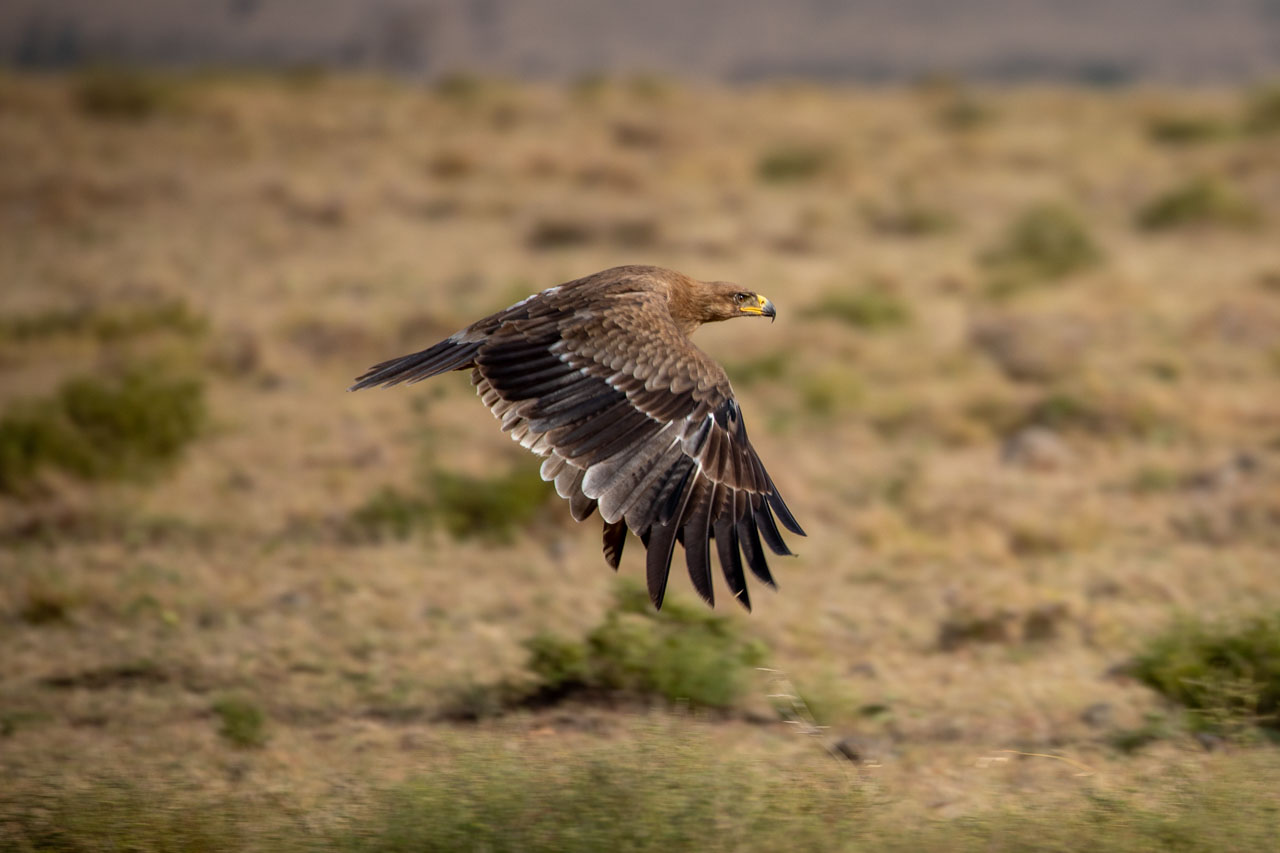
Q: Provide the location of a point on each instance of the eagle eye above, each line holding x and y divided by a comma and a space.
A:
739, 298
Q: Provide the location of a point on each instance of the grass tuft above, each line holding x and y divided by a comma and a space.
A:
122, 94
388, 514
683, 653
105, 325
101, 429
1227, 675
1262, 113
1043, 244
487, 507
793, 163
243, 723
1186, 129
1200, 202
870, 308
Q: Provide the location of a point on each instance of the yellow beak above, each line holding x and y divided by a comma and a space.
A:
763, 307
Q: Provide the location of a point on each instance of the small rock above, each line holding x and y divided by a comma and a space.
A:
1036, 448
1043, 621
1210, 741
861, 748
1097, 716
866, 669
1030, 348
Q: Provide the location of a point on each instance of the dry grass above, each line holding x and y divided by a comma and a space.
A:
954, 598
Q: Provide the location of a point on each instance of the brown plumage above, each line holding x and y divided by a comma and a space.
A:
599, 376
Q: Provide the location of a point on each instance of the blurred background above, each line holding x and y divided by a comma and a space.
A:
1023, 392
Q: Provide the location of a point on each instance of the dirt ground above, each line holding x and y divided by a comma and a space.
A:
1013, 468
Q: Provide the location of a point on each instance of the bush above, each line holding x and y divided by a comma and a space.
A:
101, 429
1045, 243
1228, 676
792, 163
1186, 129
122, 94
1200, 202
1262, 113
115, 323
487, 507
869, 308
683, 653
388, 514
243, 722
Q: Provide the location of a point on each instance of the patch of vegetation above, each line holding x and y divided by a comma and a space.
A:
964, 113
487, 507
1108, 415
870, 308
1200, 202
1153, 479
764, 368
1186, 129
793, 163
1155, 727
682, 653
123, 94
1045, 243
101, 428
105, 324
908, 217
1226, 674
388, 514
1262, 113
465, 506
243, 723
611, 799
829, 391
535, 795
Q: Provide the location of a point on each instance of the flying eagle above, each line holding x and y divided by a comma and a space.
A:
599, 377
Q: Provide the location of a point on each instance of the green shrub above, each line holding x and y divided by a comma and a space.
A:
1102, 414
662, 797
1227, 675
963, 113
122, 94
764, 368
793, 163
101, 429
869, 308
683, 653
1262, 113
388, 514
243, 723
1199, 202
908, 217
105, 324
1181, 129
1044, 244
487, 507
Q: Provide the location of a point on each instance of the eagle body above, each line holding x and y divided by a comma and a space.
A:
599, 377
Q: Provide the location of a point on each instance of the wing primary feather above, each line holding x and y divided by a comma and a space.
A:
615, 537
697, 546
769, 530
731, 560
657, 563
783, 511
749, 539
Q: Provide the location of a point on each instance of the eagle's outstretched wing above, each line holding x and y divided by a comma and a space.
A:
632, 419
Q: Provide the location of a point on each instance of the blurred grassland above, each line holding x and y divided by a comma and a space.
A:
1023, 391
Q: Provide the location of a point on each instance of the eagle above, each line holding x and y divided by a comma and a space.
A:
599, 377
